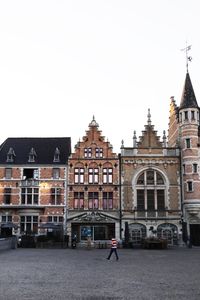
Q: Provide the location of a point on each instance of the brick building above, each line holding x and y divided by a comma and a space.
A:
33, 184
93, 198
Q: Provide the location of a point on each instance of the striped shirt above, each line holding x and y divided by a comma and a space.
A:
114, 243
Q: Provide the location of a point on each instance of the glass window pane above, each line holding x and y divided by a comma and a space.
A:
150, 177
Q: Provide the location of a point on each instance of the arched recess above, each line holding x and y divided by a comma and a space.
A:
168, 231
150, 188
137, 233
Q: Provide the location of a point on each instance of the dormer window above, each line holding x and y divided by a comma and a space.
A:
10, 155
32, 155
56, 155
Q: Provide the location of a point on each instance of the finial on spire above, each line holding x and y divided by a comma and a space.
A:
149, 117
134, 139
164, 139
188, 58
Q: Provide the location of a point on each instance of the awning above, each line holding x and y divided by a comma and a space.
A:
51, 226
9, 225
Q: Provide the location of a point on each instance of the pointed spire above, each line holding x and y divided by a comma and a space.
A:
188, 99
164, 139
149, 118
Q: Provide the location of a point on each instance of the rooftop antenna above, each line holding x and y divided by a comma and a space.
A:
188, 58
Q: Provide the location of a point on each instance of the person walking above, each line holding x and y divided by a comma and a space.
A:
113, 249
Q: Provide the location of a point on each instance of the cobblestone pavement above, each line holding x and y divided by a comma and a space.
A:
32, 274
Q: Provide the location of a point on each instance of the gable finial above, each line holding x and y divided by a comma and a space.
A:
149, 117
188, 58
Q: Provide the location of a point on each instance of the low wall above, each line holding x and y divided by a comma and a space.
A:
8, 243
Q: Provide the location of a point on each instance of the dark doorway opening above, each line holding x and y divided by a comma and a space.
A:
195, 234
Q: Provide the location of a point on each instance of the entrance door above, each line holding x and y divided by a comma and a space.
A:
195, 234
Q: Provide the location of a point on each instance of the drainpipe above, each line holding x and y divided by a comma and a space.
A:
120, 198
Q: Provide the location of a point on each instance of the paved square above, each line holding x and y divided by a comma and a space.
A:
28, 274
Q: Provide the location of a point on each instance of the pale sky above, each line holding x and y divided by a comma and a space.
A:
61, 62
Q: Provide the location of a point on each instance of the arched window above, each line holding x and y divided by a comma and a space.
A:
150, 190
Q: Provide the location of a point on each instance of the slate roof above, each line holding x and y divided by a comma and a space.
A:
188, 99
45, 149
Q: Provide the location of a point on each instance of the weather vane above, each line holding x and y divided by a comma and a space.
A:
188, 58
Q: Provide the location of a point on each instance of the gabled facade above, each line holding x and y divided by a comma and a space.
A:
93, 191
33, 184
150, 187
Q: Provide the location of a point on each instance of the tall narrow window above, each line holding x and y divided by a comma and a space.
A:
107, 200
79, 175
160, 200
56, 173
140, 200
192, 115
8, 173
186, 115
188, 144
107, 175
195, 168
190, 186
7, 195
29, 224
93, 200
78, 200
150, 200
55, 196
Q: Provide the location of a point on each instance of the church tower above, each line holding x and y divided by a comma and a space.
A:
188, 139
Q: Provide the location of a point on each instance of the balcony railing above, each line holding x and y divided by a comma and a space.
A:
29, 183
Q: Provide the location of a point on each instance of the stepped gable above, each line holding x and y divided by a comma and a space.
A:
149, 138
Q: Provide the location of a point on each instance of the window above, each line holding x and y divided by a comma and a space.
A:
88, 152
56, 173
140, 200
55, 196
150, 189
29, 224
93, 200
32, 155
7, 195
187, 141
78, 200
29, 196
93, 175
186, 115
6, 219
8, 173
160, 200
107, 200
11, 155
79, 175
56, 155
183, 168
55, 219
190, 186
195, 168
30, 174
107, 175
192, 115
99, 152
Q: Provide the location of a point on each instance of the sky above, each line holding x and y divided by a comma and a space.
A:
61, 62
